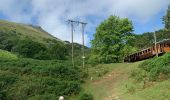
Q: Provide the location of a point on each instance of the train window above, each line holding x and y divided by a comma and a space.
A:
149, 50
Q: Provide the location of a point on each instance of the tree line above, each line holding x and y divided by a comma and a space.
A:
27, 47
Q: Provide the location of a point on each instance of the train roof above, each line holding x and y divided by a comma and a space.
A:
164, 40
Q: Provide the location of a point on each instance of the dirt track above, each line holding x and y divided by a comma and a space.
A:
111, 80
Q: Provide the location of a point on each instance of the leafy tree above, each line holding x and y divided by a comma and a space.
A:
110, 38
7, 40
29, 48
166, 18
145, 40
58, 51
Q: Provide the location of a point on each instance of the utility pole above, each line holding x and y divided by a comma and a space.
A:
83, 26
83, 56
155, 45
72, 33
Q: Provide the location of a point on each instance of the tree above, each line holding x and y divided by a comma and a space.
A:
58, 51
166, 18
110, 39
29, 48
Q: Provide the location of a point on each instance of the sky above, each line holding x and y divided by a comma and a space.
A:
52, 15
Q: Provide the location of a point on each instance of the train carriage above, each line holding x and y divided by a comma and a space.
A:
160, 48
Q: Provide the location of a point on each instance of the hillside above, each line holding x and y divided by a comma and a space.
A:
34, 32
23, 78
35, 65
16, 36
115, 82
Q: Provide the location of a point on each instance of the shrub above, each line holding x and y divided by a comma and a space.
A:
29, 48
157, 66
29, 78
86, 96
7, 55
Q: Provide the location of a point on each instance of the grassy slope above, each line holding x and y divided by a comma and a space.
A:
117, 84
36, 33
22, 78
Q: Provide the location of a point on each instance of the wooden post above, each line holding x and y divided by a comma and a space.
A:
156, 49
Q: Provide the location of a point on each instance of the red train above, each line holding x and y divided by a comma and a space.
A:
161, 48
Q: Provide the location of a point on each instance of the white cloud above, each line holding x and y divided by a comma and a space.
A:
52, 14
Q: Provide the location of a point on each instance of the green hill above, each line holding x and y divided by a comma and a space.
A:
34, 32
35, 65
33, 42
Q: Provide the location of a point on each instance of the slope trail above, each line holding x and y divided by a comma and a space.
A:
109, 82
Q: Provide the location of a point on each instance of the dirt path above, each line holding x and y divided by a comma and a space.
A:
109, 81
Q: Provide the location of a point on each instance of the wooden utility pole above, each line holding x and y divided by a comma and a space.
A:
72, 33
72, 30
156, 49
83, 56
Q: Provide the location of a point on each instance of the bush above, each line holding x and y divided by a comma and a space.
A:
29, 78
86, 96
93, 60
7, 55
29, 48
157, 66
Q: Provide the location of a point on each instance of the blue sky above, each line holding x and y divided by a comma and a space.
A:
52, 15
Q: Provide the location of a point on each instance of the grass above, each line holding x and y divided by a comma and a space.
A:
7, 55
33, 32
101, 80
134, 91
117, 83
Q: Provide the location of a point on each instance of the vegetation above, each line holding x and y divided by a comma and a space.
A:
26, 47
33, 42
7, 55
36, 66
142, 41
166, 18
117, 84
111, 40
86, 96
150, 80
154, 69
24, 78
